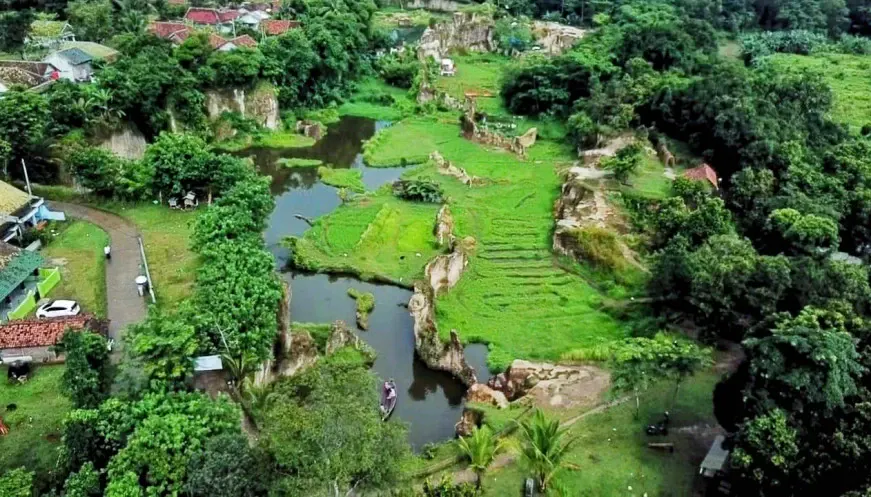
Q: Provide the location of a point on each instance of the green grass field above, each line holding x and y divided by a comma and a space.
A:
848, 76
83, 275
366, 101
611, 450
35, 425
374, 235
513, 295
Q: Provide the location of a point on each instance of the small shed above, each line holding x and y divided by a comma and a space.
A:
703, 172
715, 460
73, 64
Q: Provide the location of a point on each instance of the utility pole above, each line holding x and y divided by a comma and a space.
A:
26, 179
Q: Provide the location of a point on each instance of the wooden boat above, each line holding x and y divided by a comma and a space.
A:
387, 405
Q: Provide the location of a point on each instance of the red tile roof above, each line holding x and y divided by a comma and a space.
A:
39, 332
200, 15
275, 27
216, 41
166, 29
703, 172
244, 41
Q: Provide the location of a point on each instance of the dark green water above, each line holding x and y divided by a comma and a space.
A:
429, 401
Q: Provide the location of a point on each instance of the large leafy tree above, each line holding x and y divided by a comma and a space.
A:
87, 375
227, 467
325, 434
91, 19
24, 117
166, 346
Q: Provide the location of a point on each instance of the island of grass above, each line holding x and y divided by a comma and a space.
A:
352, 179
268, 139
299, 162
365, 304
512, 273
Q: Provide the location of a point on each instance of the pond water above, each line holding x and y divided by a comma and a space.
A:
429, 401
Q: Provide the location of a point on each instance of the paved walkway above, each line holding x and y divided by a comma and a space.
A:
125, 304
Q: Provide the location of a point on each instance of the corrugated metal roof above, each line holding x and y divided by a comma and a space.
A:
75, 56
17, 268
208, 363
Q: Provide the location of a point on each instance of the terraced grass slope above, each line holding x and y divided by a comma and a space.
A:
513, 296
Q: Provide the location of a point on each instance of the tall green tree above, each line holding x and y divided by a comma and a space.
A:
166, 346
87, 375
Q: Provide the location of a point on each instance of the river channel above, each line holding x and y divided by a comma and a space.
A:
430, 402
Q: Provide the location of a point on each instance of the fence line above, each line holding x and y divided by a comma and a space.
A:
147, 273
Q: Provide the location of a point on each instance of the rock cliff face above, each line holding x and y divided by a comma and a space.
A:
444, 230
259, 104
444, 166
480, 134
552, 385
439, 5
430, 348
471, 32
556, 38
125, 141
444, 271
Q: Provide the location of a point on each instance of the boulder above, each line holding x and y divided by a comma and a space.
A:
468, 421
527, 139
341, 336
480, 392
557, 385
444, 229
501, 383
311, 129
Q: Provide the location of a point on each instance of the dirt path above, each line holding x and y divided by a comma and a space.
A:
125, 306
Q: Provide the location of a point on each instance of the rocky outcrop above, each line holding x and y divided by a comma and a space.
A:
437, 5
467, 31
259, 104
556, 385
481, 393
470, 419
125, 141
594, 155
302, 353
555, 38
311, 129
429, 346
445, 167
429, 93
342, 336
444, 229
481, 134
444, 271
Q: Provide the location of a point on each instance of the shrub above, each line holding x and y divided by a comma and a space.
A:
418, 191
399, 69
600, 246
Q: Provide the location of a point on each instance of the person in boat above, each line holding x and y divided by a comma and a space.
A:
390, 388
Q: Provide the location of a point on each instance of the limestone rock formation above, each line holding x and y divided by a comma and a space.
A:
556, 38
501, 383
480, 134
466, 31
470, 419
341, 336
444, 229
527, 139
436, 354
480, 392
444, 271
445, 167
558, 386
302, 354
311, 129
126, 141
260, 104
436, 5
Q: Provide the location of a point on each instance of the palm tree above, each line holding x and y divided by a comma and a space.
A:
480, 448
543, 448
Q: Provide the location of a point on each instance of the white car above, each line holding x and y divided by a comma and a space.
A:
58, 308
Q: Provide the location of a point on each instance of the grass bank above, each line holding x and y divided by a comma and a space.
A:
512, 272
271, 139
377, 100
611, 450
35, 425
78, 250
351, 179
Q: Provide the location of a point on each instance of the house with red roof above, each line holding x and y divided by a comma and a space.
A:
277, 27
175, 32
222, 20
703, 172
37, 337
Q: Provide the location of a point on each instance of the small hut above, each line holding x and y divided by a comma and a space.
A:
703, 172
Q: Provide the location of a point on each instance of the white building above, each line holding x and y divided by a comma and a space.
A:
72, 64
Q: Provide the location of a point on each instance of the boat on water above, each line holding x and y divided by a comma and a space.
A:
388, 401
